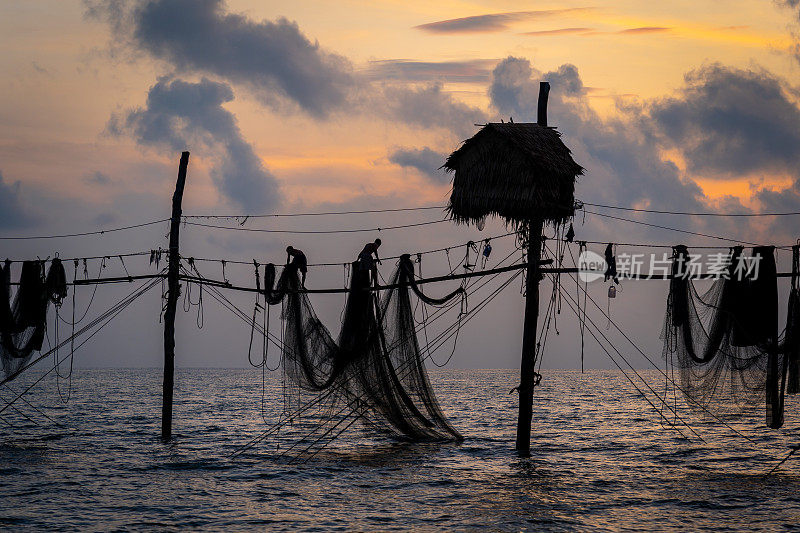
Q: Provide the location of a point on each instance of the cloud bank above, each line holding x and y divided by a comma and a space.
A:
180, 115
492, 22
425, 160
274, 59
13, 214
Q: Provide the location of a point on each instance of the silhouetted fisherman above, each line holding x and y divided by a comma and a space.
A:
297, 259
367, 262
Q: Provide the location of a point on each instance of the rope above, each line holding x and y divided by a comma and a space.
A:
316, 232
122, 304
672, 229
86, 233
695, 213
315, 214
105, 318
666, 376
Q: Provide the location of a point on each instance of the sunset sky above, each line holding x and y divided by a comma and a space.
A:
302, 106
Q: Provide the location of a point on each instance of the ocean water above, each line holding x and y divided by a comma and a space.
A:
603, 460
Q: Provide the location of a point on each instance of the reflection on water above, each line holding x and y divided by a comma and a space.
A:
602, 460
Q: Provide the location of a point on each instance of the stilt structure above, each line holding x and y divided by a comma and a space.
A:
523, 173
173, 291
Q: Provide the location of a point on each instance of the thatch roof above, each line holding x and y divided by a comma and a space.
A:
515, 171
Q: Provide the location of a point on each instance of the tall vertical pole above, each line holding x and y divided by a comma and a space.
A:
532, 276
528, 365
172, 301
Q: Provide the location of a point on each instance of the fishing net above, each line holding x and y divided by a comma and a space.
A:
374, 370
725, 342
23, 322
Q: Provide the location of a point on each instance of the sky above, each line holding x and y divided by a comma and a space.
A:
300, 106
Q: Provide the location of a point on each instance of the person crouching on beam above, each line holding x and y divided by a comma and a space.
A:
296, 258
367, 262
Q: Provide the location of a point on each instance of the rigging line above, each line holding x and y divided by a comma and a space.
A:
29, 404
667, 246
319, 426
663, 373
353, 421
316, 232
85, 233
19, 412
477, 308
340, 263
671, 229
235, 309
321, 213
65, 259
643, 395
91, 300
108, 320
662, 400
696, 214
80, 331
792, 452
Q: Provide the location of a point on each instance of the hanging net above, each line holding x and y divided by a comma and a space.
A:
374, 370
725, 342
23, 322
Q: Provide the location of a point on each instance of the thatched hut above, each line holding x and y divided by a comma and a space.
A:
525, 174
518, 172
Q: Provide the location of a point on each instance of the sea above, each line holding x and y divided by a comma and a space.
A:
603, 459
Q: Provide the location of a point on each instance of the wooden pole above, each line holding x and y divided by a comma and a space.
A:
173, 289
528, 365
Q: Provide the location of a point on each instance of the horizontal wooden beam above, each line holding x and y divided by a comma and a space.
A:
227, 285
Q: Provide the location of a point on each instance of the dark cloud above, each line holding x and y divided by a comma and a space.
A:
13, 213
560, 31
424, 160
622, 167
104, 219
475, 71
431, 107
731, 122
793, 4
274, 59
724, 121
591, 31
492, 22
97, 178
180, 115
644, 29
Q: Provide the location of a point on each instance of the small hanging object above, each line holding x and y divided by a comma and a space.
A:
152, 256
158, 256
224, 277
570, 233
612, 291
611, 262
487, 251
56, 282
481, 223
470, 246
258, 276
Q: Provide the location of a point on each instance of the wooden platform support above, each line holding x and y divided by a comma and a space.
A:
527, 378
173, 291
